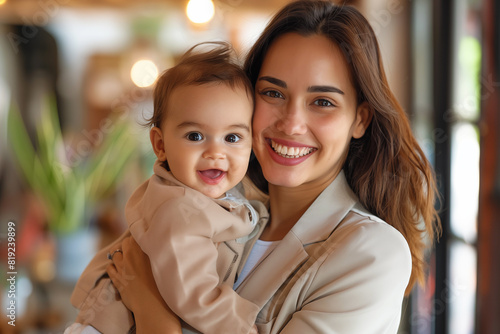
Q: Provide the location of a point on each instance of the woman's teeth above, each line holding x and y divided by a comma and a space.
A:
290, 152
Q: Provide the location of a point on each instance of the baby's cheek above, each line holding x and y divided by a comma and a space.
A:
239, 167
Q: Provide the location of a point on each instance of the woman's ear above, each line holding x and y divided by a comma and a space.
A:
156, 138
364, 115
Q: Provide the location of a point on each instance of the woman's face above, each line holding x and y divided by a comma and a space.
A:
305, 112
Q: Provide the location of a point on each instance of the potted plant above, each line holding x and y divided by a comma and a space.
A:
68, 189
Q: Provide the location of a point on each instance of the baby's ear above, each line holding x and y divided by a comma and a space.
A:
364, 115
156, 137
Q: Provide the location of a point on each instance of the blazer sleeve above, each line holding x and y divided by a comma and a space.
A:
183, 259
360, 286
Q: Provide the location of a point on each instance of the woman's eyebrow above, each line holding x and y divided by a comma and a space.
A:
324, 89
274, 81
311, 89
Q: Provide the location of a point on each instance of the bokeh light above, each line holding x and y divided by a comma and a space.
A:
200, 11
144, 73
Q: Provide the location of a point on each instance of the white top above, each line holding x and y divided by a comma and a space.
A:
77, 328
260, 250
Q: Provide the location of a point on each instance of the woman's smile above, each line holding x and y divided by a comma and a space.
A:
287, 153
290, 150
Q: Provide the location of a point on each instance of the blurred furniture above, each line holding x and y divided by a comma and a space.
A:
488, 293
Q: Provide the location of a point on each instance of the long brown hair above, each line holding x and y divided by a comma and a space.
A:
386, 168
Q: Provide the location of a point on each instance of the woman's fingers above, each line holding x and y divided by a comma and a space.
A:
126, 243
113, 275
133, 256
130, 245
118, 260
132, 249
120, 279
117, 269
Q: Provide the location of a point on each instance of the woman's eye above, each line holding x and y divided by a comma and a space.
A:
323, 103
194, 136
273, 94
232, 138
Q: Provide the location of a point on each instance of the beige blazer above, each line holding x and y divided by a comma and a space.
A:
194, 244
339, 270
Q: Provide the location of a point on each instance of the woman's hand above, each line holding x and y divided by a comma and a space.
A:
131, 274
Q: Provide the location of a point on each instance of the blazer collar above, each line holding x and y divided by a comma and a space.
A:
262, 283
315, 225
326, 212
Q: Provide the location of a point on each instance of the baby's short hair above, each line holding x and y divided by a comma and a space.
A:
218, 64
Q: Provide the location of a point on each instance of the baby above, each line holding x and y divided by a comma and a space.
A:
188, 217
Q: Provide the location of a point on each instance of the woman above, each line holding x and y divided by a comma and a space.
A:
351, 194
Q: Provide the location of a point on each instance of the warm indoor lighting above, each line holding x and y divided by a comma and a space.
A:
200, 11
2, 2
144, 73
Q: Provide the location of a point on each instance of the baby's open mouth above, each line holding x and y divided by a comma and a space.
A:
212, 176
211, 173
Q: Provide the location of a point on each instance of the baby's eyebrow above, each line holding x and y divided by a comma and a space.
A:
242, 126
188, 124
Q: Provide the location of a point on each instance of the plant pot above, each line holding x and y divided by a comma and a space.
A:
74, 252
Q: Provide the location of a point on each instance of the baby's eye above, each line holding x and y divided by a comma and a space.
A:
232, 138
323, 103
194, 136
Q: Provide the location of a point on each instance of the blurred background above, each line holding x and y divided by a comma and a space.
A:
76, 80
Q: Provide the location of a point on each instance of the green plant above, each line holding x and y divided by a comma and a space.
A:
68, 190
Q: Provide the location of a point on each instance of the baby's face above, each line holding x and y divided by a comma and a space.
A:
207, 136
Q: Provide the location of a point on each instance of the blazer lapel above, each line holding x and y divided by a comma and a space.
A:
269, 275
316, 225
326, 212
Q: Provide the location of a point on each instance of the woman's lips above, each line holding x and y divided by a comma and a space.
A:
211, 176
288, 153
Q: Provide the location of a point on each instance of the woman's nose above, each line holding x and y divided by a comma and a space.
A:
292, 121
214, 151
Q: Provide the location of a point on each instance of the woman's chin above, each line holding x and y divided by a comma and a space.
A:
283, 179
